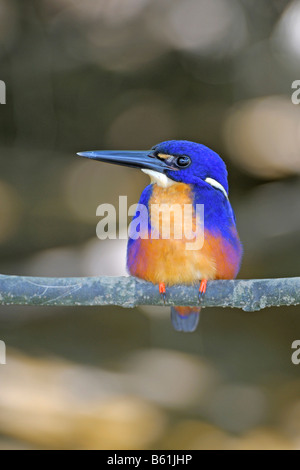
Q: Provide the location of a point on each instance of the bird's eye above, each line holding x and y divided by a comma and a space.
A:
183, 161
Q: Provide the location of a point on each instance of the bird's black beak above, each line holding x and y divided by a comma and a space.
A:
132, 158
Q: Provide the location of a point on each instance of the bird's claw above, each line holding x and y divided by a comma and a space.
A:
202, 289
162, 291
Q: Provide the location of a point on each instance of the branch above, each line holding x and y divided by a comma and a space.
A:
249, 295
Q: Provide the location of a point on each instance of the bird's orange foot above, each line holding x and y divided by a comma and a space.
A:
202, 289
162, 291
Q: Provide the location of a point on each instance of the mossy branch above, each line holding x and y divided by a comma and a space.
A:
249, 295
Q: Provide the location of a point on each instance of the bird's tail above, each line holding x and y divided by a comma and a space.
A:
185, 318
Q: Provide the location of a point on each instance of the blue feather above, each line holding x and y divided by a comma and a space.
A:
187, 323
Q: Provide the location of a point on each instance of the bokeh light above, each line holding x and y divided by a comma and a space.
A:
286, 36
203, 27
263, 136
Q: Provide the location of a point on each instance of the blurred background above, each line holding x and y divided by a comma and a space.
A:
127, 74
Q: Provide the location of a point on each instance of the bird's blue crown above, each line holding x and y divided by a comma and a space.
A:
205, 163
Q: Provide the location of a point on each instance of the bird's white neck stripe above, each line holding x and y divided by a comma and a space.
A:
162, 180
159, 178
217, 185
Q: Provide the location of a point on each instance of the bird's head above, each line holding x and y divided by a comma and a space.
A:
173, 161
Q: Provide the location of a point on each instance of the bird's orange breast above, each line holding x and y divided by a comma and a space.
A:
169, 260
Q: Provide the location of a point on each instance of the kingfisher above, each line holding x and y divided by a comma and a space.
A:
184, 174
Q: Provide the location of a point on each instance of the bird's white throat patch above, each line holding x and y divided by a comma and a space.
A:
159, 178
